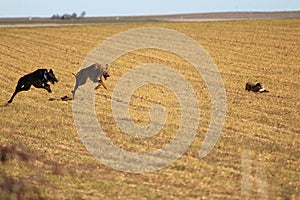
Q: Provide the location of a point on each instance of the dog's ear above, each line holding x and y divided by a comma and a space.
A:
106, 66
50, 71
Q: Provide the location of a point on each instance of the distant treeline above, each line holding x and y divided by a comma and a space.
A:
69, 16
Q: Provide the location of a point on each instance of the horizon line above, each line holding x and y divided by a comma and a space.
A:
161, 14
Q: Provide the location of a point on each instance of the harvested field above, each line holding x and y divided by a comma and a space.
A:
256, 156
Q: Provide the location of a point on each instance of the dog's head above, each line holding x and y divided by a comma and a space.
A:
261, 88
51, 77
258, 85
105, 72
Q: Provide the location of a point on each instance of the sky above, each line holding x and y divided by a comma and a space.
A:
46, 8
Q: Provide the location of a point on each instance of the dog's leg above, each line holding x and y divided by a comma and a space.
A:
40, 84
98, 86
13, 96
18, 89
45, 86
100, 83
75, 88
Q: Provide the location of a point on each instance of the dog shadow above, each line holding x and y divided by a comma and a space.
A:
64, 98
4, 105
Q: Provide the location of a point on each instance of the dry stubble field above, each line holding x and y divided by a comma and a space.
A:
257, 154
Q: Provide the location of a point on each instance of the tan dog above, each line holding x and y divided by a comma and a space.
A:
94, 72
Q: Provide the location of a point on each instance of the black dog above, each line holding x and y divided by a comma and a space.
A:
38, 79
